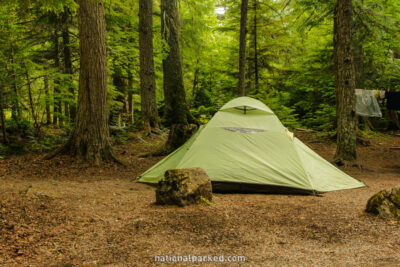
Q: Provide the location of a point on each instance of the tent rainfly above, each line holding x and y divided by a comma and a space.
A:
245, 148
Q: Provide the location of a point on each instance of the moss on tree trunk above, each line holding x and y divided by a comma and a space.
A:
90, 137
176, 111
149, 113
242, 49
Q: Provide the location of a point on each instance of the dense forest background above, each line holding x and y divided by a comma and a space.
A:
289, 62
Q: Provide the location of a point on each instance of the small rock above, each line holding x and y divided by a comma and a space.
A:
184, 187
385, 203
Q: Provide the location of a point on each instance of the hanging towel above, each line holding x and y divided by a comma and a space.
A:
359, 91
366, 104
393, 100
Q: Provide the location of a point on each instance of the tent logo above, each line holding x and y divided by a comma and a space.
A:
243, 130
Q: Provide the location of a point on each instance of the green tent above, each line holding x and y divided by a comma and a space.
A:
245, 148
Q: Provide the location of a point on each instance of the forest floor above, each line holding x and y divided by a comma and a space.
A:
64, 213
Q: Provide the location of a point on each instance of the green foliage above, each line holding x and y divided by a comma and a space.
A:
3, 150
203, 114
121, 137
277, 102
16, 146
57, 6
22, 126
46, 144
294, 49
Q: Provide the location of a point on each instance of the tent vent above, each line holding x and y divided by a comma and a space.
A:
244, 130
245, 108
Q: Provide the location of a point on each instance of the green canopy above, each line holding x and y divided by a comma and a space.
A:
245, 147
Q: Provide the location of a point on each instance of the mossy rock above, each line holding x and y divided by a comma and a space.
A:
385, 203
395, 196
184, 187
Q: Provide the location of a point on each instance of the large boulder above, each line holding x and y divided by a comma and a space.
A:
385, 203
184, 187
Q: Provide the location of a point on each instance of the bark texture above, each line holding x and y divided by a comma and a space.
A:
345, 82
149, 112
70, 107
47, 93
255, 21
131, 100
57, 116
15, 109
90, 136
36, 123
120, 84
176, 109
177, 136
242, 48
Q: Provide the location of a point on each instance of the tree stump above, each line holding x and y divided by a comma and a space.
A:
184, 187
385, 203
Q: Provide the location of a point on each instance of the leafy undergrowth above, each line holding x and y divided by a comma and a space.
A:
65, 212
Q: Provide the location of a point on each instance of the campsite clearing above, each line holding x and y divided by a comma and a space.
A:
64, 212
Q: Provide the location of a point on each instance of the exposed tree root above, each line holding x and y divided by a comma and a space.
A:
59, 151
107, 155
346, 163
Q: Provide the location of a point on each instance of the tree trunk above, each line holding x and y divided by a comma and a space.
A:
345, 83
149, 112
255, 46
70, 106
392, 114
176, 109
47, 93
119, 82
36, 124
393, 120
15, 109
242, 49
57, 94
131, 107
2, 117
90, 137
131, 100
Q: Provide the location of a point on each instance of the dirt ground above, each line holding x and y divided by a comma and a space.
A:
65, 213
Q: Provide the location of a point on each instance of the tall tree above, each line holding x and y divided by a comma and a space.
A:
57, 116
147, 74
36, 122
90, 136
131, 100
176, 111
47, 95
255, 21
242, 49
345, 82
70, 108
15, 110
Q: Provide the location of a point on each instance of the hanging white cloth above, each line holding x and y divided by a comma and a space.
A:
366, 103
